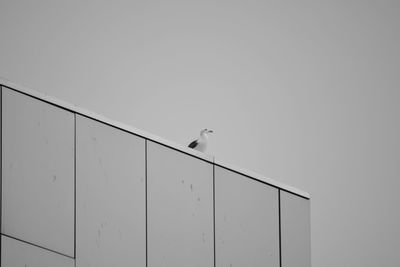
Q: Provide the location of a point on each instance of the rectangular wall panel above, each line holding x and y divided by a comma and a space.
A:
296, 231
246, 221
180, 209
15, 253
37, 172
110, 179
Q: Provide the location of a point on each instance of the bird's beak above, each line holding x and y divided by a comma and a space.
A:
210, 131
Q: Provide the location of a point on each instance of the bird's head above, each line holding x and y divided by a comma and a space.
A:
205, 131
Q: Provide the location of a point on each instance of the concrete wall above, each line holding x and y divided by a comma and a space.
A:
79, 191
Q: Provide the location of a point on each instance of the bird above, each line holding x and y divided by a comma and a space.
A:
200, 143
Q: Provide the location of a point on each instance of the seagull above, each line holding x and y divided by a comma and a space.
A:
200, 144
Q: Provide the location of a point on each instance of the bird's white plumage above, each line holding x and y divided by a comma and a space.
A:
200, 144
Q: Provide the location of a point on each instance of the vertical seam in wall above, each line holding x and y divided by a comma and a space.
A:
75, 189
145, 195
280, 236
215, 262
1, 169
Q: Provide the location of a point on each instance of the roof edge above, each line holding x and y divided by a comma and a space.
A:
261, 178
206, 157
87, 113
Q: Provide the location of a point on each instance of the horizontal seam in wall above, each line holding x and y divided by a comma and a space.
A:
38, 246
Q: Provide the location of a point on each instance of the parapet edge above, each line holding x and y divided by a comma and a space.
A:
146, 135
92, 115
261, 178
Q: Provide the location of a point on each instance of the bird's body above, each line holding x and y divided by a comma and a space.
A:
200, 144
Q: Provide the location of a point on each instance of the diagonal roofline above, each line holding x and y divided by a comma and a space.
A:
151, 137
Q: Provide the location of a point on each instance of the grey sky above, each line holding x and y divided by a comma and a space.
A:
309, 91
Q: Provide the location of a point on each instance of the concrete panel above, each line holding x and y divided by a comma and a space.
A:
246, 221
15, 253
38, 172
295, 231
110, 179
180, 209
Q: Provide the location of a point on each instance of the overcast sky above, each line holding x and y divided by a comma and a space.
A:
305, 92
